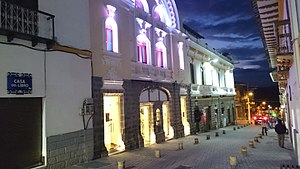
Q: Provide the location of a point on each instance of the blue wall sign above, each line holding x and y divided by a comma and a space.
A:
19, 83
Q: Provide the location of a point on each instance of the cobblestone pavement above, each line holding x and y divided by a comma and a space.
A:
208, 154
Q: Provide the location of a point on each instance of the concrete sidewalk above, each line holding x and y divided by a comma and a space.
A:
208, 154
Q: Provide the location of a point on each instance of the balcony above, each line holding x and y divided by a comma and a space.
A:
26, 24
142, 71
210, 91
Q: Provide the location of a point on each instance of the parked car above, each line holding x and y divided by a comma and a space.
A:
259, 118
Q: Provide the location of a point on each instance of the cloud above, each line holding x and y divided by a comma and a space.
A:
230, 26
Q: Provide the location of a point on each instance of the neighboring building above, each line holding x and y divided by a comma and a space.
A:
114, 75
240, 104
279, 21
43, 84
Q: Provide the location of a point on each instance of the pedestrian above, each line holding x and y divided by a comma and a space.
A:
280, 129
264, 127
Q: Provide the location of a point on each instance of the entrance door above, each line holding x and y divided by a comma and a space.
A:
184, 117
208, 118
20, 132
168, 129
112, 124
147, 124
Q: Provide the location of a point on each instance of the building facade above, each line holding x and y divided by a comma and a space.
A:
117, 76
280, 31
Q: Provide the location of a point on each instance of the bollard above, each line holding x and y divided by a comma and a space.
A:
244, 151
224, 131
121, 164
233, 161
217, 134
233, 128
256, 139
207, 137
238, 127
157, 154
196, 141
251, 144
180, 146
242, 126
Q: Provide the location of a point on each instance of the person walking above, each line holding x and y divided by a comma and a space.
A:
264, 127
280, 129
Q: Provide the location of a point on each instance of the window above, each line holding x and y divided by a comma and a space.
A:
109, 39
192, 73
111, 31
142, 52
159, 58
181, 56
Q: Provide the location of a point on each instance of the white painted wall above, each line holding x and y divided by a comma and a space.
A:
294, 107
68, 79
72, 25
22, 60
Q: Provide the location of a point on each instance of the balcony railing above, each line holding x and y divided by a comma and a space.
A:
23, 23
285, 46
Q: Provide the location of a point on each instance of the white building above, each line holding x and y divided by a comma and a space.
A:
280, 28
114, 75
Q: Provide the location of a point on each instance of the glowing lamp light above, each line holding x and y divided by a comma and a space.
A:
255, 118
265, 118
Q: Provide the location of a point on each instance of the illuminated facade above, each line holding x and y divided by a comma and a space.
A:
119, 75
144, 91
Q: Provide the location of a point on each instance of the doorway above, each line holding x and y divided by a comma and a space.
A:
147, 124
112, 124
184, 116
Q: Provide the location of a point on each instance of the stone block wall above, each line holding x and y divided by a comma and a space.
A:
69, 149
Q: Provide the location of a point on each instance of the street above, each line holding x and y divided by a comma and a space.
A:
208, 154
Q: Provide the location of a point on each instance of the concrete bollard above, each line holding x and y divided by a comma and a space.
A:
233, 161
224, 131
233, 128
244, 151
242, 127
238, 127
196, 141
121, 164
180, 146
256, 139
207, 137
251, 144
217, 134
157, 154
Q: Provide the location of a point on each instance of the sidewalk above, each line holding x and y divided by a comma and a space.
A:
208, 154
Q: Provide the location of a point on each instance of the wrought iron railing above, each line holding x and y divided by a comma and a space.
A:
25, 23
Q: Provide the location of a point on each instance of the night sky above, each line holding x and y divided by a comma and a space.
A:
230, 26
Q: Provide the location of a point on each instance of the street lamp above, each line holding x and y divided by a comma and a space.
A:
248, 103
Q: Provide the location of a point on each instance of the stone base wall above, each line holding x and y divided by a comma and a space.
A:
69, 149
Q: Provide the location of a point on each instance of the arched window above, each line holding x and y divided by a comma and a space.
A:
160, 13
143, 48
111, 31
142, 4
161, 54
181, 56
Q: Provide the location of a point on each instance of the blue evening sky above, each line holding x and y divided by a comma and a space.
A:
230, 26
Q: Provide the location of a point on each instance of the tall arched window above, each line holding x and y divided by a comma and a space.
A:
161, 54
143, 48
142, 4
111, 31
